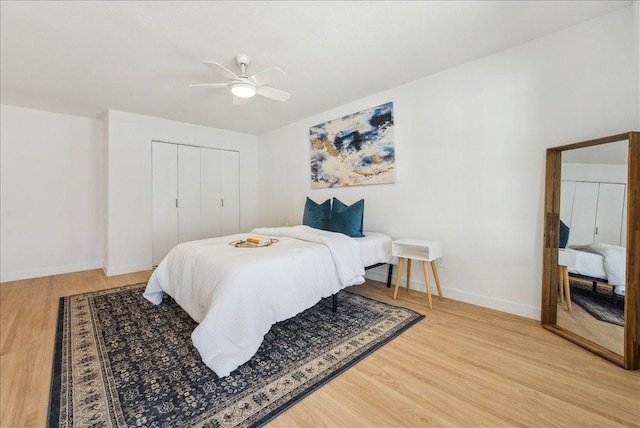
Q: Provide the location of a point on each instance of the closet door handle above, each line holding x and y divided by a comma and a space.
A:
222, 202
176, 202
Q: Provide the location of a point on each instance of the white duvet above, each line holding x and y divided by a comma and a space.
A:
614, 262
237, 294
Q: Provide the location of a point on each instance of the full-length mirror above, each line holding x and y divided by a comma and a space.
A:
592, 234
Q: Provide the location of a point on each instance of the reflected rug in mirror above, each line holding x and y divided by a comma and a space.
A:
599, 305
122, 361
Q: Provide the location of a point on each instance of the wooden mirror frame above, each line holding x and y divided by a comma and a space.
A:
550, 251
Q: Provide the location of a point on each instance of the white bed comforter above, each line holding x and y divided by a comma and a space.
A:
614, 261
237, 294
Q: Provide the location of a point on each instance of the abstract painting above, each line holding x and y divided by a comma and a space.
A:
354, 150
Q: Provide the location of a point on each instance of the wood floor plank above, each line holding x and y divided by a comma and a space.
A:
462, 366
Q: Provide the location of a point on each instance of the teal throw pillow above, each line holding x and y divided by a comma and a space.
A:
564, 234
347, 219
317, 215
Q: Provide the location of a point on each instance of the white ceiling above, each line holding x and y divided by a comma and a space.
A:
82, 58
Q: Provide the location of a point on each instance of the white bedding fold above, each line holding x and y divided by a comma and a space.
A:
344, 250
237, 294
614, 260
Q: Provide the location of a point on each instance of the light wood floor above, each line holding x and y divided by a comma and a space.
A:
462, 366
584, 324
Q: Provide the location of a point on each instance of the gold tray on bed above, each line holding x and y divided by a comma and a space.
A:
253, 243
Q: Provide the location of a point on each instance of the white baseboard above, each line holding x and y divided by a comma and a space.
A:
379, 274
54, 270
121, 270
462, 296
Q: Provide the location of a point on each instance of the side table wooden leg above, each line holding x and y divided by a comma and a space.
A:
561, 284
408, 274
428, 282
567, 286
434, 266
398, 275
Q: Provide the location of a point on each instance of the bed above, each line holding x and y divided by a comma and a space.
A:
600, 263
237, 294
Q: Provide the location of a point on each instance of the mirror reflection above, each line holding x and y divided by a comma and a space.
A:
592, 254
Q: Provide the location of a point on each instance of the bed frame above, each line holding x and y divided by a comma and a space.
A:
594, 284
335, 296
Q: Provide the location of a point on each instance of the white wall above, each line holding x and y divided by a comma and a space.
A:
76, 192
128, 228
51, 193
636, 25
470, 153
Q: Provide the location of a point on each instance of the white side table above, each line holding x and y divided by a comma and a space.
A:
418, 249
566, 259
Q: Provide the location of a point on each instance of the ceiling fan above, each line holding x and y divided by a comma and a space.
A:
243, 86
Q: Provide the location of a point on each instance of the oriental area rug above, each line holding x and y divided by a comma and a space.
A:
122, 361
599, 303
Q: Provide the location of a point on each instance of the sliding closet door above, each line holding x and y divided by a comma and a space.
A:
210, 196
583, 217
196, 195
188, 193
567, 192
610, 212
230, 189
164, 169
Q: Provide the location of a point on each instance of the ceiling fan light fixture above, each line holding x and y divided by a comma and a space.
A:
243, 86
243, 90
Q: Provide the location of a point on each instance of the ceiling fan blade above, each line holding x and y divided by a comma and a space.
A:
210, 85
220, 69
267, 76
239, 100
274, 94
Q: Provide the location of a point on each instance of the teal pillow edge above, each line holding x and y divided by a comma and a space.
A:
317, 215
564, 235
347, 219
